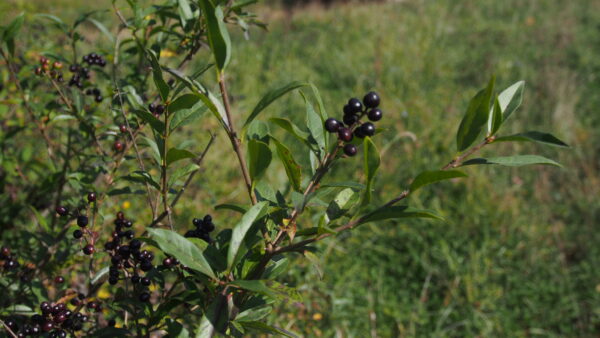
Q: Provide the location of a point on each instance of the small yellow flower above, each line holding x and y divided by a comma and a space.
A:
147, 17
126, 205
530, 21
317, 316
165, 53
103, 294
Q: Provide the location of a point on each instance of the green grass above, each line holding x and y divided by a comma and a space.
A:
518, 254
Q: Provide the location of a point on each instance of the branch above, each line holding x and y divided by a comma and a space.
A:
8, 329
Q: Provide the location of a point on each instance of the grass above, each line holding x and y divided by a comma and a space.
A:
518, 254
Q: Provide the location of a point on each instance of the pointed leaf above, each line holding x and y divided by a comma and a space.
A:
292, 168
533, 136
475, 118
160, 83
342, 203
218, 36
395, 212
315, 125
495, 120
429, 177
175, 154
510, 99
181, 248
240, 231
270, 97
291, 128
156, 124
513, 161
214, 319
185, 101
13, 27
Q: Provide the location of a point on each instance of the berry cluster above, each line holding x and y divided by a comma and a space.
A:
95, 92
82, 222
203, 228
351, 125
128, 258
10, 261
54, 69
55, 319
79, 74
156, 109
94, 59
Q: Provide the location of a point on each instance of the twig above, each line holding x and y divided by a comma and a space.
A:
8, 329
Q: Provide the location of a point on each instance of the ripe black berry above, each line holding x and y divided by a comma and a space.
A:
208, 227
168, 262
120, 215
135, 279
62, 211
11, 324
332, 125
350, 119
152, 108
197, 222
371, 100
358, 133
345, 134
135, 244
375, 114
98, 98
4, 252
82, 221
354, 106
59, 279
368, 129
123, 128
112, 280
146, 265
89, 249
160, 109
145, 281
144, 297
47, 326
118, 146
10, 264
77, 234
91, 197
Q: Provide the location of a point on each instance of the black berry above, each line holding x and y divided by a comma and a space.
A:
123, 128
371, 100
62, 211
345, 134
332, 125
59, 279
82, 221
144, 297
368, 129
118, 146
375, 114
160, 109
4, 252
91, 197
77, 234
350, 119
354, 106
89, 249
145, 281
98, 98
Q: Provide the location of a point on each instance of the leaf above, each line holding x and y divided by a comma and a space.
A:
533, 136
133, 98
342, 203
475, 118
495, 119
291, 128
259, 158
371, 164
256, 313
176, 330
354, 185
102, 29
395, 212
513, 161
156, 124
175, 154
218, 37
214, 319
181, 248
240, 231
429, 177
316, 262
185, 101
270, 97
103, 272
268, 288
185, 11
181, 172
316, 126
160, 83
152, 144
510, 99
13, 27
292, 169
41, 219
142, 177
58, 22
186, 116
265, 328
234, 207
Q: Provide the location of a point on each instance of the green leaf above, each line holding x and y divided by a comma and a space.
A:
235, 207
475, 118
316, 262
218, 37
41, 219
342, 203
354, 185
13, 28
160, 83
57, 21
214, 319
256, 313
510, 99
395, 212
316, 126
269, 288
495, 120
259, 158
185, 101
258, 326
371, 165
291, 128
429, 177
142, 177
533, 136
103, 272
155, 150
103, 29
513, 161
292, 169
186, 116
270, 97
181, 248
176, 330
175, 154
156, 124
182, 172
133, 98
185, 11
240, 231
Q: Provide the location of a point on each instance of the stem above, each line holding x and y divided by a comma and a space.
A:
8, 329
235, 141
165, 189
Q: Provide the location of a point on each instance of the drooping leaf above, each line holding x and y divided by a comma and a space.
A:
475, 118
495, 119
159, 81
185, 101
533, 136
156, 124
218, 36
181, 248
175, 154
259, 158
429, 177
395, 212
103, 29
260, 327
371, 165
513, 161
291, 128
342, 203
256, 313
240, 230
316, 127
185, 11
184, 117
215, 318
269, 288
292, 169
13, 27
510, 99
270, 97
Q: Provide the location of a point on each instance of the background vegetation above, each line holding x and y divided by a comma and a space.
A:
516, 257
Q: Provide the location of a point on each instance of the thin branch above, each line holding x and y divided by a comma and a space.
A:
8, 329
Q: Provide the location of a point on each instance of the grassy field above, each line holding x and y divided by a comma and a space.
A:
519, 254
